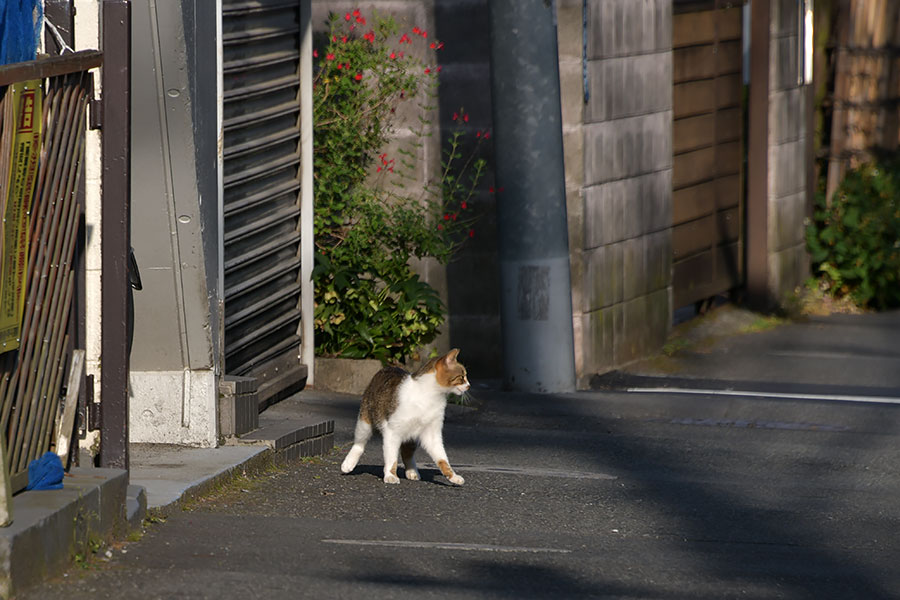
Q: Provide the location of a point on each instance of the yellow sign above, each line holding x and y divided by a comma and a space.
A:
25, 111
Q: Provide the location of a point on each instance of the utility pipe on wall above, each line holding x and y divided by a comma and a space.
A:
536, 296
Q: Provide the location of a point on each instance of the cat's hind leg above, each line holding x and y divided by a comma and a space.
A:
360, 438
391, 445
407, 449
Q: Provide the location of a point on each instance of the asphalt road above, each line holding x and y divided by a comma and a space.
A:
603, 494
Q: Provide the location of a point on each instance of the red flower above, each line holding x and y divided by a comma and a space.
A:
416, 30
439, 68
491, 190
424, 34
315, 54
340, 66
356, 12
329, 56
454, 216
455, 116
358, 76
393, 55
344, 39
446, 216
440, 227
471, 233
378, 170
440, 46
487, 134
334, 38
432, 45
464, 205
405, 38
347, 17
466, 118
477, 134
370, 36
427, 70
361, 20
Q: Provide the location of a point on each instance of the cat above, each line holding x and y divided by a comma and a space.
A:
408, 409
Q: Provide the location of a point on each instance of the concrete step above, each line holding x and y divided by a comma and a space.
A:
291, 438
50, 526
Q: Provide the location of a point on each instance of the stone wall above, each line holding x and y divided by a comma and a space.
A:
618, 177
788, 263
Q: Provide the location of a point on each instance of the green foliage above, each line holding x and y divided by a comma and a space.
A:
855, 242
371, 216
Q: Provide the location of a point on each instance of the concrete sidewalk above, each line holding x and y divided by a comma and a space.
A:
837, 355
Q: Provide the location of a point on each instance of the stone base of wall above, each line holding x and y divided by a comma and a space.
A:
345, 375
238, 405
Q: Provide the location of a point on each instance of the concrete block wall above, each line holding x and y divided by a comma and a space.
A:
618, 177
788, 263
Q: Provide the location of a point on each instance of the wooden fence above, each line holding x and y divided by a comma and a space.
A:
865, 76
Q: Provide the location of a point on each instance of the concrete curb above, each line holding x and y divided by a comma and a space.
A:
171, 475
50, 526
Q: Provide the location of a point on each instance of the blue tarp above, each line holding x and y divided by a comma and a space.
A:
20, 28
45, 473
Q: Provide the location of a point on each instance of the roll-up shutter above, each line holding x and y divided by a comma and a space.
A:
261, 187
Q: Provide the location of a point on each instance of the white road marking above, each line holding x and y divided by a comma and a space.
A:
447, 546
828, 355
784, 395
526, 471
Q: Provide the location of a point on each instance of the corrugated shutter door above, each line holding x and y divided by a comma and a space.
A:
261, 181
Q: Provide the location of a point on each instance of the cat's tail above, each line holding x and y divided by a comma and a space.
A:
360, 438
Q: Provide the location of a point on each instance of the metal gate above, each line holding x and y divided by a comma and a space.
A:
40, 366
261, 76
707, 143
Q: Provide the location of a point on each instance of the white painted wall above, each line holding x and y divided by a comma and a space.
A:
87, 37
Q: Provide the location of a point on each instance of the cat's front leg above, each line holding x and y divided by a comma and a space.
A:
391, 446
434, 445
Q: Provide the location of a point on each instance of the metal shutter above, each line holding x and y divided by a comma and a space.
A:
261, 185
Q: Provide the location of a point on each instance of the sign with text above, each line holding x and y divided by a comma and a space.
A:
21, 148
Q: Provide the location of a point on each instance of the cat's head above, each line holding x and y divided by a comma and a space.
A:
451, 374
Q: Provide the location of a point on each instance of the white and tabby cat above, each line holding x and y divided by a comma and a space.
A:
408, 409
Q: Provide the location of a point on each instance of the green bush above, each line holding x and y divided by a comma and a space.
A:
855, 242
371, 216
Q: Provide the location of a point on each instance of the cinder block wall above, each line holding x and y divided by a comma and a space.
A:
620, 220
788, 262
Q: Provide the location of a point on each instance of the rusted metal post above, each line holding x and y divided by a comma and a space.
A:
758, 158
116, 235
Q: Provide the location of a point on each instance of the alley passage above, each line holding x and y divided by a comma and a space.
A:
588, 495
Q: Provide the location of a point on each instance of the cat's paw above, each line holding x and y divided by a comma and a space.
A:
347, 465
391, 478
457, 479
412, 475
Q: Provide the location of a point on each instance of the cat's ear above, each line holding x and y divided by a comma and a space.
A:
450, 357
